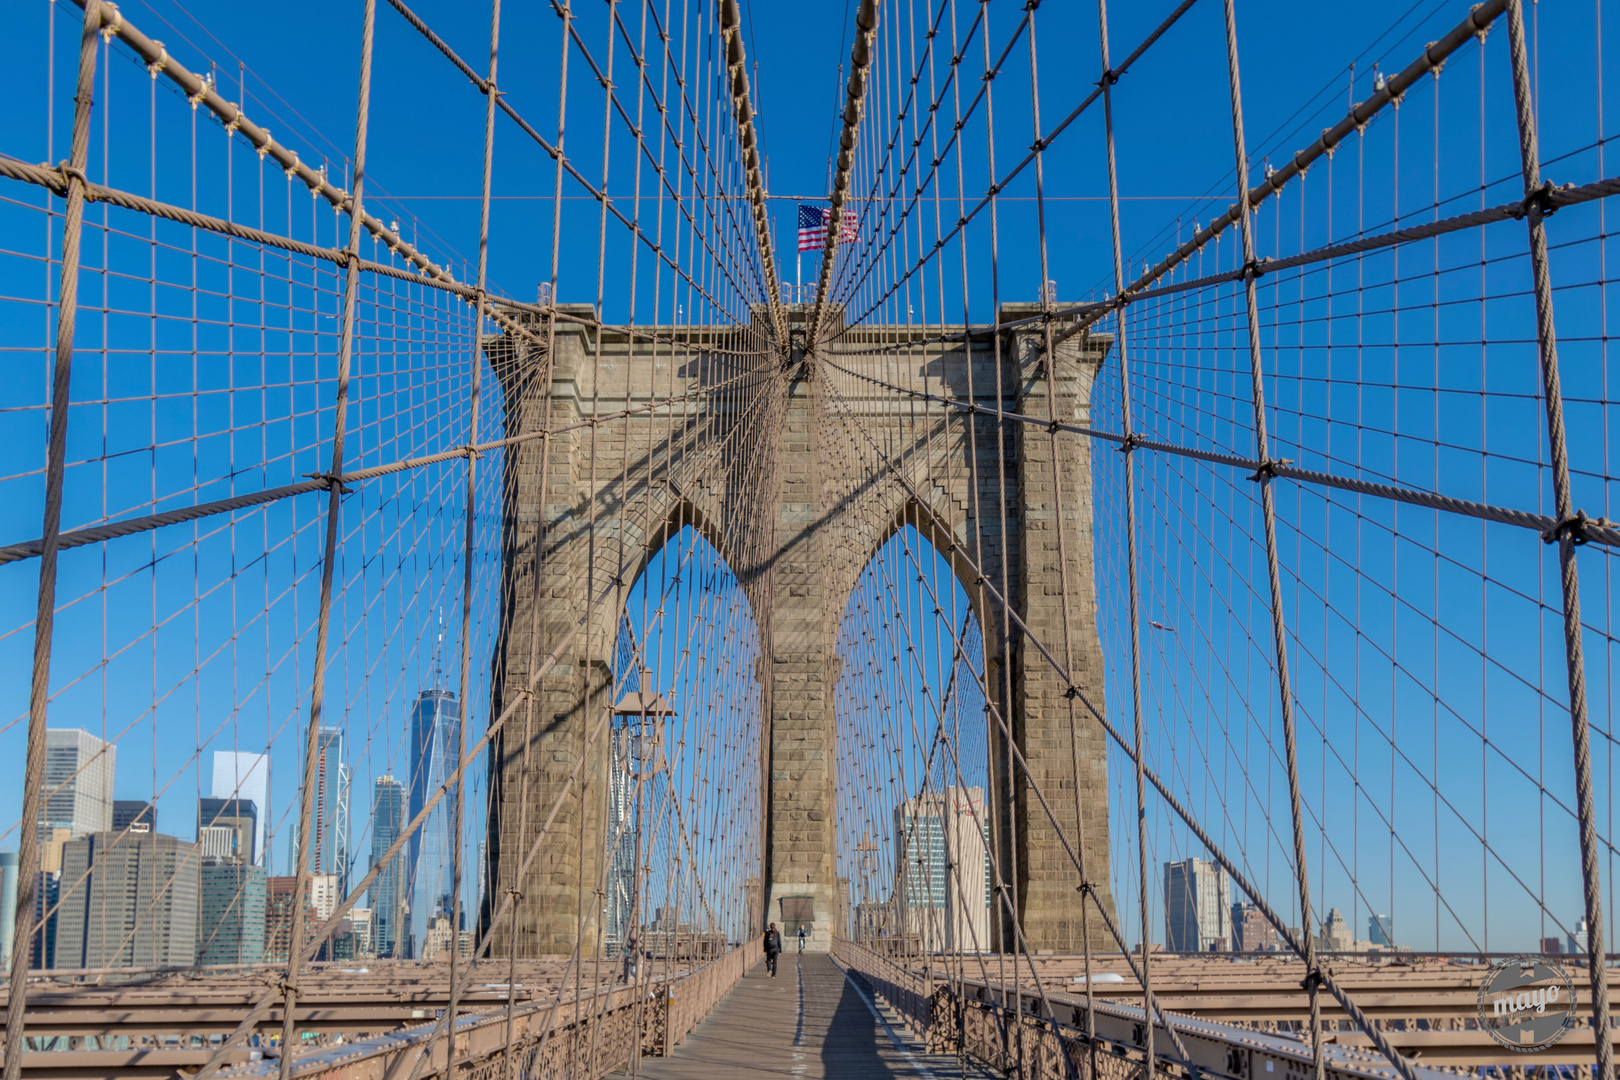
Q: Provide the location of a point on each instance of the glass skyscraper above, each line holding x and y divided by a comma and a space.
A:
78, 786
387, 899
435, 735
239, 774
329, 832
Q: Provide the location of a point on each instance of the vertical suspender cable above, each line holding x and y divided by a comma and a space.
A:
1109, 77
1566, 534
334, 508
1262, 453
753, 177
458, 802
39, 689
860, 58
1048, 303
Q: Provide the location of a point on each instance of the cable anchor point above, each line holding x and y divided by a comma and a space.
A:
332, 481
1268, 469
1577, 526
1539, 202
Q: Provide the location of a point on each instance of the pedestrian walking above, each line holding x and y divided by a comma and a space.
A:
801, 939
773, 945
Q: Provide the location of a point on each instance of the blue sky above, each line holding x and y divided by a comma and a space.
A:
1392, 388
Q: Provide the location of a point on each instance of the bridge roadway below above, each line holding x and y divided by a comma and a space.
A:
812, 1020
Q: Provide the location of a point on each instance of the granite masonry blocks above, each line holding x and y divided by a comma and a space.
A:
805, 506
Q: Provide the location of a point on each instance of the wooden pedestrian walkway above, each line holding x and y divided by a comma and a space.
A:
809, 1022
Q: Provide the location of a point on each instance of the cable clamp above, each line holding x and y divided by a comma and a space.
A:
472, 453
157, 66
1128, 443
330, 479
1540, 201
1268, 469
1576, 525
1313, 980
109, 32
1072, 692
1253, 269
70, 172
1086, 888
1109, 78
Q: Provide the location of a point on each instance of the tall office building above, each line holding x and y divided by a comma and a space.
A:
1252, 931
388, 904
363, 923
245, 776
8, 906
1381, 930
135, 815
1197, 906
1336, 935
325, 894
621, 835
230, 913
278, 917
329, 832
42, 947
78, 789
218, 842
240, 817
435, 736
945, 871
1577, 940
127, 901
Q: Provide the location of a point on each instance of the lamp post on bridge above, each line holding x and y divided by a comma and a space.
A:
865, 852
638, 749
641, 713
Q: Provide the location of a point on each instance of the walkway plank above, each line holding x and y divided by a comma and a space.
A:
808, 1023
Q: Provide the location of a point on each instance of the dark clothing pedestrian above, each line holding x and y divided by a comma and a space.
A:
773, 945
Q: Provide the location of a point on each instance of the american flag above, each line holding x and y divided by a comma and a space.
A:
813, 227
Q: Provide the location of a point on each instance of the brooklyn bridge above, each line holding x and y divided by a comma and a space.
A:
474, 607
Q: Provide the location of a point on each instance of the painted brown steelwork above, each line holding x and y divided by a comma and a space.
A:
546, 1018
1235, 1016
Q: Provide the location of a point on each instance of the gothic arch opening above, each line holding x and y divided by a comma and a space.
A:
915, 826
681, 828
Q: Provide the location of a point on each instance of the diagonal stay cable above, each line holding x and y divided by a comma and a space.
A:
1429, 62
1324, 979
1110, 77
1595, 530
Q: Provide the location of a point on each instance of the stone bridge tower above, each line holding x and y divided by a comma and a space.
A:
797, 476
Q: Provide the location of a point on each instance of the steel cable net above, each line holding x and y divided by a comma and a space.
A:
335, 529
397, 642
1314, 506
